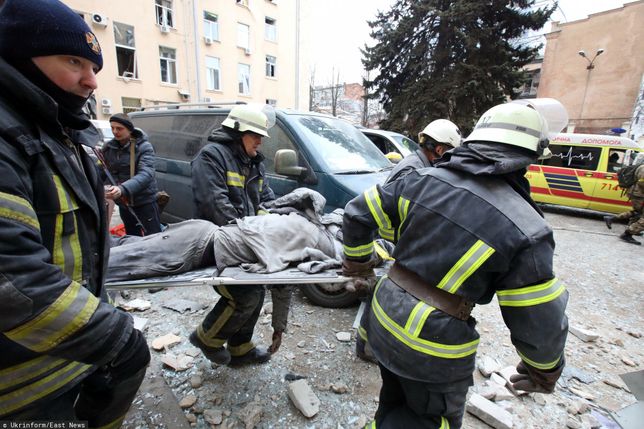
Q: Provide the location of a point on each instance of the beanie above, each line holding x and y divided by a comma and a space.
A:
124, 120
35, 28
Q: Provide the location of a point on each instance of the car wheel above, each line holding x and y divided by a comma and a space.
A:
330, 295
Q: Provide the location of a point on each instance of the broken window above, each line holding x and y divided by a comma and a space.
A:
125, 51
168, 59
163, 9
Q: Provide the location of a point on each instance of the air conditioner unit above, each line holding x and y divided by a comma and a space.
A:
106, 102
247, 51
165, 29
208, 40
99, 19
107, 110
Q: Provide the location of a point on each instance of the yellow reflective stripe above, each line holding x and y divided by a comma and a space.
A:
531, 295
444, 423
241, 349
261, 185
66, 251
466, 266
421, 345
208, 336
375, 207
417, 318
371, 425
22, 397
387, 234
362, 250
18, 209
380, 251
403, 209
235, 179
362, 332
541, 366
70, 312
19, 374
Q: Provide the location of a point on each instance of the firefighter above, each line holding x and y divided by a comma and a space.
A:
634, 217
438, 137
53, 231
465, 231
229, 182
435, 139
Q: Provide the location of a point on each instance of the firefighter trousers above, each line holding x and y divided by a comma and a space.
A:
233, 318
406, 403
97, 399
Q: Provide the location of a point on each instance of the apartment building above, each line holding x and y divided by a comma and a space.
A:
172, 51
594, 66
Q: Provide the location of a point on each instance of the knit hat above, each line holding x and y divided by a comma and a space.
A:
35, 28
123, 119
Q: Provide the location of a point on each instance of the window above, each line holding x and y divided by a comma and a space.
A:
242, 2
163, 9
584, 158
271, 63
212, 73
125, 51
210, 25
271, 102
243, 78
615, 160
270, 29
130, 104
243, 35
168, 59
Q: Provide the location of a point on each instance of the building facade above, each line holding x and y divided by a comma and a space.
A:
195, 51
594, 67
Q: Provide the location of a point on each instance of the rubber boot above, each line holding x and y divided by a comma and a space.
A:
256, 355
218, 355
627, 237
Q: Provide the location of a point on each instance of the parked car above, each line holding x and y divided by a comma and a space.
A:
104, 129
582, 172
311, 150
395, 146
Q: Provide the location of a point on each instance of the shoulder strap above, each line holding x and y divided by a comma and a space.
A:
132, 149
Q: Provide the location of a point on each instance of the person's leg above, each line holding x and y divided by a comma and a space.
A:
131, 225
240, 343
59, 408
149, 216
391, 395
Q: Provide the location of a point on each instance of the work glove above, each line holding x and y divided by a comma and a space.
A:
134, 356
277, 342
531, 379
363, 278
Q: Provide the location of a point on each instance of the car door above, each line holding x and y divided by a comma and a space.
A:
608, 196
278, 139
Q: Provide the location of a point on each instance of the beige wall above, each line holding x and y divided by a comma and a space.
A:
191, 52
611, 86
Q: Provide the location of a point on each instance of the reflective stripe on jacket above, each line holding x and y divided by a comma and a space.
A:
226, 183
53, 307
469, 235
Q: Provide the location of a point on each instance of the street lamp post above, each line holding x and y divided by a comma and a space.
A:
589, 67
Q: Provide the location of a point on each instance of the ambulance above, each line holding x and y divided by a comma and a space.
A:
582, 172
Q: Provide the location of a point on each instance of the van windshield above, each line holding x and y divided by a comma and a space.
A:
340, 145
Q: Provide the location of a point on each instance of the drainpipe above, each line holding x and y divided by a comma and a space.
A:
195, 22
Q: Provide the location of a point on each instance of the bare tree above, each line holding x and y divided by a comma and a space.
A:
335, 91
312, 89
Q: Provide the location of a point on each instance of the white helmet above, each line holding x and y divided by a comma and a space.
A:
442, 131
513, 124
247, 118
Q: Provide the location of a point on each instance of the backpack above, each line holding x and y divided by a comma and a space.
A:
626, 176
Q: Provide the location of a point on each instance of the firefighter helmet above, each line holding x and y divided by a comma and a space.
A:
513, 124
442, 131
244, 118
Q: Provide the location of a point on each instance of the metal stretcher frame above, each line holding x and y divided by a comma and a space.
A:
231, 276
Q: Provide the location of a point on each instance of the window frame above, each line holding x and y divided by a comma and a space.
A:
210, 24
246, 35
271, 67
270, 30
240, 76
118, 27
169, 62
208, 74
164, 14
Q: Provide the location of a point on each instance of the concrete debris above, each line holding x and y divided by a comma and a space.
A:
339, 388
584, 335
301, 344
140, 323
252, 414
177, 363
343, 336
588, 420
488, 390
214, 417
628, 362
136, 305
618, 342
268, 308
497, 379
539, 398
577, 407
616, 382
487, 366
573, 423
572, 372
193, 351
192, 419
508, 372
582, 393
196, 381
167, 340
304, 398
182, 305
634, 334
489, 412
188, 401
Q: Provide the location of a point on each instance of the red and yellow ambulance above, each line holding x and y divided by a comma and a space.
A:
582, 172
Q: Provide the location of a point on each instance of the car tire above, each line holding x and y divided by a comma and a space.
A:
320, 295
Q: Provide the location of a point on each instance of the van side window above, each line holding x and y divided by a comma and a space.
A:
615, 160
277, 139
583, 158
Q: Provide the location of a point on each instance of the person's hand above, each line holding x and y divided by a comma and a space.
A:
113, 192
360, 284
363, 278
531, 379
277, 342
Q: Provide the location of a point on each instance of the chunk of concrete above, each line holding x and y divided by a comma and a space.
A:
304, 398
489, 412
188, 401
585, 335
166, 340
487, 366
343, 336
508, 372
136, 305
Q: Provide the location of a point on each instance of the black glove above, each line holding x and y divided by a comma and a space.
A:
134, 356
531, 379
363, 276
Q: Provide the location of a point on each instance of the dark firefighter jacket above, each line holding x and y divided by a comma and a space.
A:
226, 183
415, 161
142, 187
53, 306
471, 234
